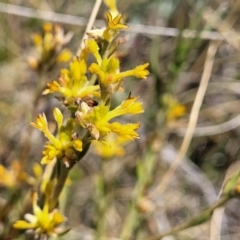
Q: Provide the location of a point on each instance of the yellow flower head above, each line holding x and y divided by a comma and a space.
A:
73, 84
109, 75
112, 146
96, 119
62, 146
89, 98
42, 221
141, 72
115, 23
15, 175
174, 109
49, 46
107, 69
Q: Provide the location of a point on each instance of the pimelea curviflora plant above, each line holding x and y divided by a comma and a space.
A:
86, 90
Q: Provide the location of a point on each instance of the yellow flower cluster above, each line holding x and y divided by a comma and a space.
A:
73, 84
42, 221
107, 70
114, 146
87, 91
174, 109
49, 46
13, 176
65, 146
96, 119
86, 88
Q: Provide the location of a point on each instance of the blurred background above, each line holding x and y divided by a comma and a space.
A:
174, 37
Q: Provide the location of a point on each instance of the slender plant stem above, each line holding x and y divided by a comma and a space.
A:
27, 146
145, 172
201, 218
193, 118
62, 173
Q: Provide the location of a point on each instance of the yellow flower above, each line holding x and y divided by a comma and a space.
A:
62, 146
73, 83
47, 27
42, 125
37, 39
140, 71
111, 4
115, 23
96, 119
127, 131
107, 71
13, 176
112, 146
92, 47
175, 112
174, 109
42, 221
109, 75
64, 56
49, 46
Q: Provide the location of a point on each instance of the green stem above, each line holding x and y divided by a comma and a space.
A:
27, 143
131, 223
145, 170
100, 205
62, 173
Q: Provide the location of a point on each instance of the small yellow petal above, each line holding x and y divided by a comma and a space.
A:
58, 117
37, 169
21, 224
45, 160
57, 218
77, 144
47, 27
94, 68
37, 39
114, 23
109, 17
128, 106
92, 47
64, 56
41, 122
141, 72
125, 131
113, 65
53, 86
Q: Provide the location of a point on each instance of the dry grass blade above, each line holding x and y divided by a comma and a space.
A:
90, 24
193, 118
223, 27
218, 214
213, 130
